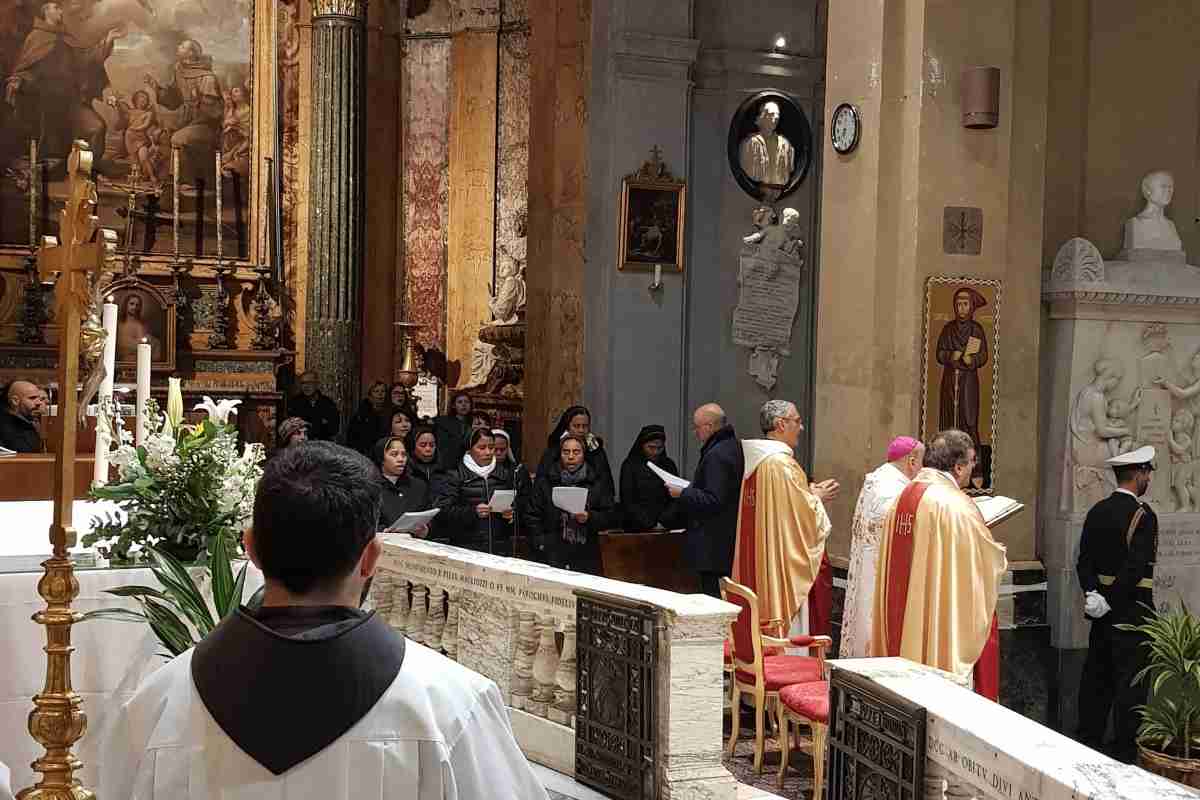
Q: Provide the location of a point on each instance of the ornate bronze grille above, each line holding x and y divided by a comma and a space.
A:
615, 722
876, 742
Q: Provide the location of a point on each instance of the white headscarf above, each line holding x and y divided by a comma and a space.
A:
482, 472
509, 457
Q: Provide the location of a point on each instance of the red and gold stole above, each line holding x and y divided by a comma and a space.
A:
747, 538
900, 554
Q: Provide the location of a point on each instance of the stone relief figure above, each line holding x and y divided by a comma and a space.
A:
771, 238
767, 156
1152, 230
508, 300
1088, 479
1118, 416
762, 217
1182, 472
1184, 392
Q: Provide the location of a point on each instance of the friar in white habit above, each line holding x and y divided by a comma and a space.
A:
309, 697
880, 490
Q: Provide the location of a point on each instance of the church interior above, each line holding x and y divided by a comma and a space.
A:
638, 208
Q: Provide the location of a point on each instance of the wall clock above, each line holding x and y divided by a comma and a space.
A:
845, 128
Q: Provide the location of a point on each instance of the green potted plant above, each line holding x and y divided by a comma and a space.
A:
1168, 737
181, 488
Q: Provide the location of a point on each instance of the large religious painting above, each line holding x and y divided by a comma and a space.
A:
651, 224
145, 314
163, 92
961, 366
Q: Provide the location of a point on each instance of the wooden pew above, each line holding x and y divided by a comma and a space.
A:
30, 476
652, 558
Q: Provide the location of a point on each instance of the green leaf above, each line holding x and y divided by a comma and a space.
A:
120, 614
179, 585
168, 627
239, 588
222, 575
136, 591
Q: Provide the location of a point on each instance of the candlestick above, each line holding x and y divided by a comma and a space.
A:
104, 400
219, 253
143, 390
33, 193
175, 199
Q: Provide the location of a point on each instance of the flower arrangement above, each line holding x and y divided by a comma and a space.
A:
184, 486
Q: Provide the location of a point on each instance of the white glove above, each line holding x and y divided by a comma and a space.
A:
1095, 606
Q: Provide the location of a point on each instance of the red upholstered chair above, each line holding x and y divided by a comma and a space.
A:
759, 668
807, 703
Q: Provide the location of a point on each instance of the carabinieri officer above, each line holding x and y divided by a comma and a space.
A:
1116, 572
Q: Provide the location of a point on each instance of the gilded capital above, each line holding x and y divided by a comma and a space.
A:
340, 8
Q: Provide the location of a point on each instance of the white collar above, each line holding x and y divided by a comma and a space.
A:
1131, 494
758, 450
895, 472
482, 472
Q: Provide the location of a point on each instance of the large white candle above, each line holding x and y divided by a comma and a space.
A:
103, 438
143, 390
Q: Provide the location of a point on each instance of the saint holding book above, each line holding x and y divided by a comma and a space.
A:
962, 349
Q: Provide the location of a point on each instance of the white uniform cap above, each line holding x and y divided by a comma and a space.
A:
1143, 455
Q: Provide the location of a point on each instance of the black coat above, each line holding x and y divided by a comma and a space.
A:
1103, 551
644, 497
19, 434
451, 434
321, 414
460, 492
431, 473
555, 537
367, 427
711, 503
406, 494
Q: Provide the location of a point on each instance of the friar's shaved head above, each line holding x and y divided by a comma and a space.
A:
24, 399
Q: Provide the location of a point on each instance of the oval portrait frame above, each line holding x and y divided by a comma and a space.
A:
793, 124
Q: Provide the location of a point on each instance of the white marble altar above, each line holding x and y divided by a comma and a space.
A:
979, 749
514, 621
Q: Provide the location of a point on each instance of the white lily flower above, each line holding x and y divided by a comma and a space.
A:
218, 412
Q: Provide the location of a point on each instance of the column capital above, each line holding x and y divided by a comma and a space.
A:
354, 9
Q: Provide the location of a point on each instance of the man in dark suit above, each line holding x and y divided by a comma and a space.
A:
316, 408
23, 404
1116, 572
711, 502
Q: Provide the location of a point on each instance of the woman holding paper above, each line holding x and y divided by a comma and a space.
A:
402, 491
644, 496
466, 495
577, 421
567, 539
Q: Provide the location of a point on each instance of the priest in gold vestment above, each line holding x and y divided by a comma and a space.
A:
939, 572
782, 525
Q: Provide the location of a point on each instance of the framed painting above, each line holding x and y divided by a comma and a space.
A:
176, 100
961, 366
145, 313
651, 222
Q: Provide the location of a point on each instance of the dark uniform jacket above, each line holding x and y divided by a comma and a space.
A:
1122, 573
711, 503
321, 414
406, 494
19, 434
555, 533
644, 496
460, 492
431, 473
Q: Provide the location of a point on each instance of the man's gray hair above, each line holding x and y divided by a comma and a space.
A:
771, 412
948, 449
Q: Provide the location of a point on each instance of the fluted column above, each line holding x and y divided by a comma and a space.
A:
337, 207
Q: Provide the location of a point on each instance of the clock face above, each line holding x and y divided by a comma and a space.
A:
845, 128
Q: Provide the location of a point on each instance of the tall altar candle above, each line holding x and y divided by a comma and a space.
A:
143, 389
219, 253
34, 188
103, 438
175, 200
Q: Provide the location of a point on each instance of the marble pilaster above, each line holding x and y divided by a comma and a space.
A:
337, 207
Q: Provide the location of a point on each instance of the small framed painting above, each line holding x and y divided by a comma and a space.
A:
144, 314
961, 366
651, 218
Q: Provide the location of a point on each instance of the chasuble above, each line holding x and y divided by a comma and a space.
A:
781, 530
938, 579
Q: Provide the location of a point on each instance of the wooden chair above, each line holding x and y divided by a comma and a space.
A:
807, 703
760, 672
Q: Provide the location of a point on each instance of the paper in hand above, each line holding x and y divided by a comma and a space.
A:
668, 478
502, 500
572, 499
4, 451
412, 520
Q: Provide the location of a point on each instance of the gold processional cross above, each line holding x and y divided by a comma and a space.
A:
79, 257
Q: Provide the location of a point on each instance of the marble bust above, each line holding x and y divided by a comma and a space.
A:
768, 157
1151, 235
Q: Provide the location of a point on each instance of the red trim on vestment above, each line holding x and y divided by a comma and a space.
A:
987, 668
747, 541
900, 554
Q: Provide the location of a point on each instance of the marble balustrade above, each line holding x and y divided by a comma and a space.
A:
514, 621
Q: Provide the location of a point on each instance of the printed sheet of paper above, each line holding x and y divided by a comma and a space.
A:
668, 478
767, 301
502, 500
412, 520
572, 499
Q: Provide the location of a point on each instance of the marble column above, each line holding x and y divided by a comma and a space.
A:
337, 205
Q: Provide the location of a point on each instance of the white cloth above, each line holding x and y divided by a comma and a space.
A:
482, 472
1095, 606
880, 490
440, 732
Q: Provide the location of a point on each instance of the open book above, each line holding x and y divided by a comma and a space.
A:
997, 509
